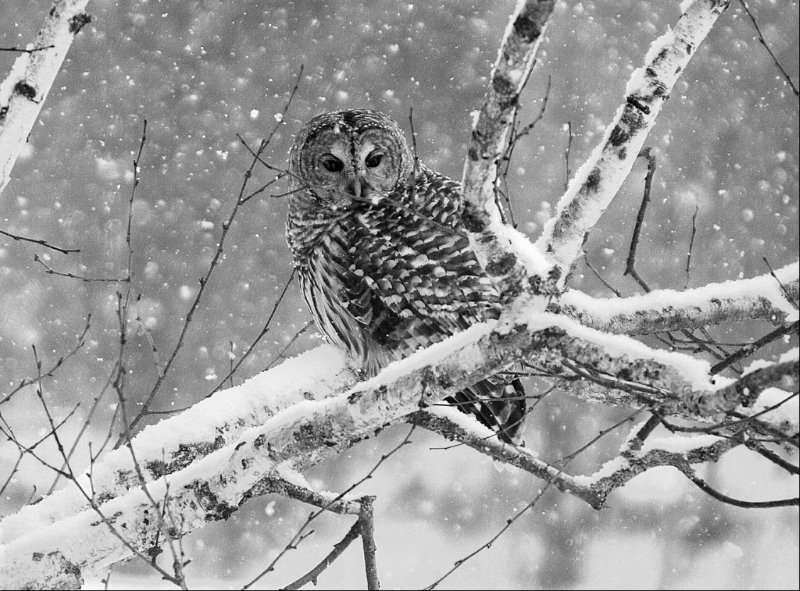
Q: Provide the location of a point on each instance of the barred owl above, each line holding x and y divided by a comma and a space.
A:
382, 254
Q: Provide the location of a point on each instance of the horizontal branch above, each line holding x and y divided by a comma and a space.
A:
309, 431
660, 310
454, 425
676, 451
597, 182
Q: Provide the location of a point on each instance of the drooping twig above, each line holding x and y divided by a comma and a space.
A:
561, 466
728, 500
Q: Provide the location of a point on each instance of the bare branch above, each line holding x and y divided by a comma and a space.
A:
40, 242
748, 350
763, 42
339, 547
366, 521
745, 390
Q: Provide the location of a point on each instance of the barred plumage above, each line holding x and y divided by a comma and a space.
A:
382, 254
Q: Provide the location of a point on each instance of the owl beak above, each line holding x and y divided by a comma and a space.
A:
357, 186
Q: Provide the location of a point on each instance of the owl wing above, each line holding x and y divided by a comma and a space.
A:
413, 254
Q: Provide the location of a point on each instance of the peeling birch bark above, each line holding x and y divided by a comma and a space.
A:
24, 91
493, 241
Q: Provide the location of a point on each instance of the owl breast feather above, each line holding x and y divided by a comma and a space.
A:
389, 278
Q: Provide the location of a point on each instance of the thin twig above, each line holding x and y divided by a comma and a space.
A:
204, 281
286, 347
787, 294
754, 346
235, 367
301, 534
21, 50
50, 372
630, 263
50, 271
339, 547
763, 42
40, 242
728, 500
549, 481
567, 152
691, 245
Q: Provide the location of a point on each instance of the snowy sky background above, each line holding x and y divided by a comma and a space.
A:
202, 71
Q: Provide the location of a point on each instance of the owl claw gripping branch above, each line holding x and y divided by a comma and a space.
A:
386, 267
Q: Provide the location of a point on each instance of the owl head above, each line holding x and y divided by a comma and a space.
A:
357, 155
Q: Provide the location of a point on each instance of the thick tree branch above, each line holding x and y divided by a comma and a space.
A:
667, 309
24, 91
596, 183
209, 425
495, 243
311, 430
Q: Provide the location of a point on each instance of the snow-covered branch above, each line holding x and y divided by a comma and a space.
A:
597, 182
666, 309
24, 91
490, 238
310, 430
209, 425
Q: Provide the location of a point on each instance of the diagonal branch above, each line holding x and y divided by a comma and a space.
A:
596, 183
24, 91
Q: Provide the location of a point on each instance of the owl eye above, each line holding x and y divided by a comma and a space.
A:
373, 159
331, 163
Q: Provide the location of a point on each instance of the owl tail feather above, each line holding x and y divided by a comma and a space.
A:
499, 406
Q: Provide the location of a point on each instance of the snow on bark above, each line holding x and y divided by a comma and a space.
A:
597, 182
213, 487
493, 241
176, 442
667, 309
24, 91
